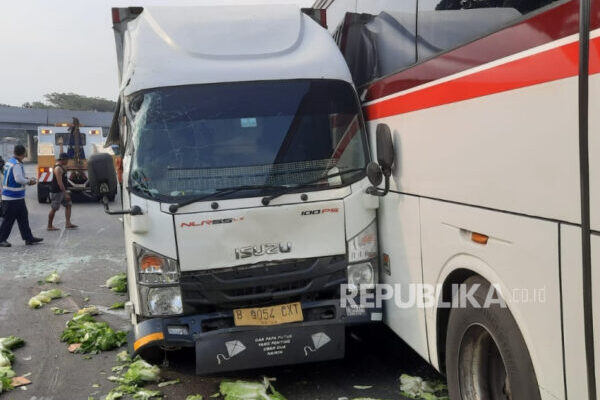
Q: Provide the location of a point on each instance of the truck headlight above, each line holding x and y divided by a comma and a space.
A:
361, 274
162, 300
363, 246
362, 258
155, 269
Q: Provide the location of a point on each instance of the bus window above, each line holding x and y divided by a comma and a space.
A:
379, 38
446, 24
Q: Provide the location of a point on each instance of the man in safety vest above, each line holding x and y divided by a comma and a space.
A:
13, 199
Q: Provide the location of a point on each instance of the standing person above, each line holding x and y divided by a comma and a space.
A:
2, 162
13, 199
59, 193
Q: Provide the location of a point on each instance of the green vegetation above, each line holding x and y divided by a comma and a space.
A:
73, 101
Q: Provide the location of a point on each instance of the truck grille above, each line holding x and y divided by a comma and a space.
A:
263, 284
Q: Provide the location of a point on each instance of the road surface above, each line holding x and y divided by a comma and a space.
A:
85, 258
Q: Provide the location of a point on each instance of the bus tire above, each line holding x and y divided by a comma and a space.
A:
486, 356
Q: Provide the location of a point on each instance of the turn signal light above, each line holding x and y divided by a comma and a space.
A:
151, 263
46, 131
479, 238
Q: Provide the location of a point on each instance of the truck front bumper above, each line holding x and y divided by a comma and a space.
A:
218, 349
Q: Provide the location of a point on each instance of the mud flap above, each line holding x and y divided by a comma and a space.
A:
265, 347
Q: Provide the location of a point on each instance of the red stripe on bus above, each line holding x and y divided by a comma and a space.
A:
547, 66
595, 55
546, 27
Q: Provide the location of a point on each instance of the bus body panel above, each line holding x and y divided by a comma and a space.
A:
487, 140
594, 160
400, 241
521, 256
572, 306
493, 167
595, 250
594, 127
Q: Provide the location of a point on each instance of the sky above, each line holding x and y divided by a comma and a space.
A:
68, 45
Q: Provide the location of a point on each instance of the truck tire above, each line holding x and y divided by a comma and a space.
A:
43, 193
486, 356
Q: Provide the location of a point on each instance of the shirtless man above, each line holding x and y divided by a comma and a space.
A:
59, 193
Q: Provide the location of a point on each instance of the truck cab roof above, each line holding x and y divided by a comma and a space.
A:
173, 46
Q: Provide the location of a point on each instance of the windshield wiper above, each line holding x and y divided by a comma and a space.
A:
267, 199
221, 192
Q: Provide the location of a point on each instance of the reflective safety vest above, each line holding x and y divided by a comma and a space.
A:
11, 188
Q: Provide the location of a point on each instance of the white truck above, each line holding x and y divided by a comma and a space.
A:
246, 196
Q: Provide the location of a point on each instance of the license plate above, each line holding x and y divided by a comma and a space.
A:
274, 315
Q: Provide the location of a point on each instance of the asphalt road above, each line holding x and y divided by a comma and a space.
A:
85, 258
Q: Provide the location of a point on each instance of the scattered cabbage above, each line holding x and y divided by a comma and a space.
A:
5, 384
52, 278
117, 305
34, 302
7, 344
11, 342
168, 383
146, 394
140, 372
90, 310
7, 372
243, 390
117, 283
44, 297
194, 397
415, 387
93, 336
123, 357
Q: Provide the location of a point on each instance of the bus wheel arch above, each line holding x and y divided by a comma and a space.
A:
466, 336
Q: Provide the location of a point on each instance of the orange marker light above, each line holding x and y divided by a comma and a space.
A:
46, 131
151, 263
479, 238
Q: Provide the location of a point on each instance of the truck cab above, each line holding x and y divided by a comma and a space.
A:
247, 212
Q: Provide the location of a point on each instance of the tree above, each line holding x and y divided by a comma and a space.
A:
36, 104
73, 101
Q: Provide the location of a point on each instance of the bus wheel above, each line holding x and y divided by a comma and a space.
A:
486, 356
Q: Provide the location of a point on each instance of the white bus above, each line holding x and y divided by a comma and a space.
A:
496, 181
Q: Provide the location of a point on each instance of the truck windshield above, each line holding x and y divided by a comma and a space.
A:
194, 140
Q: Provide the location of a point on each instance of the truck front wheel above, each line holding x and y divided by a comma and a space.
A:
486, 356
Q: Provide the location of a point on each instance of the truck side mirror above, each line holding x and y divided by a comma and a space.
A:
374, 173
385, 148
385, 158
102, 177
